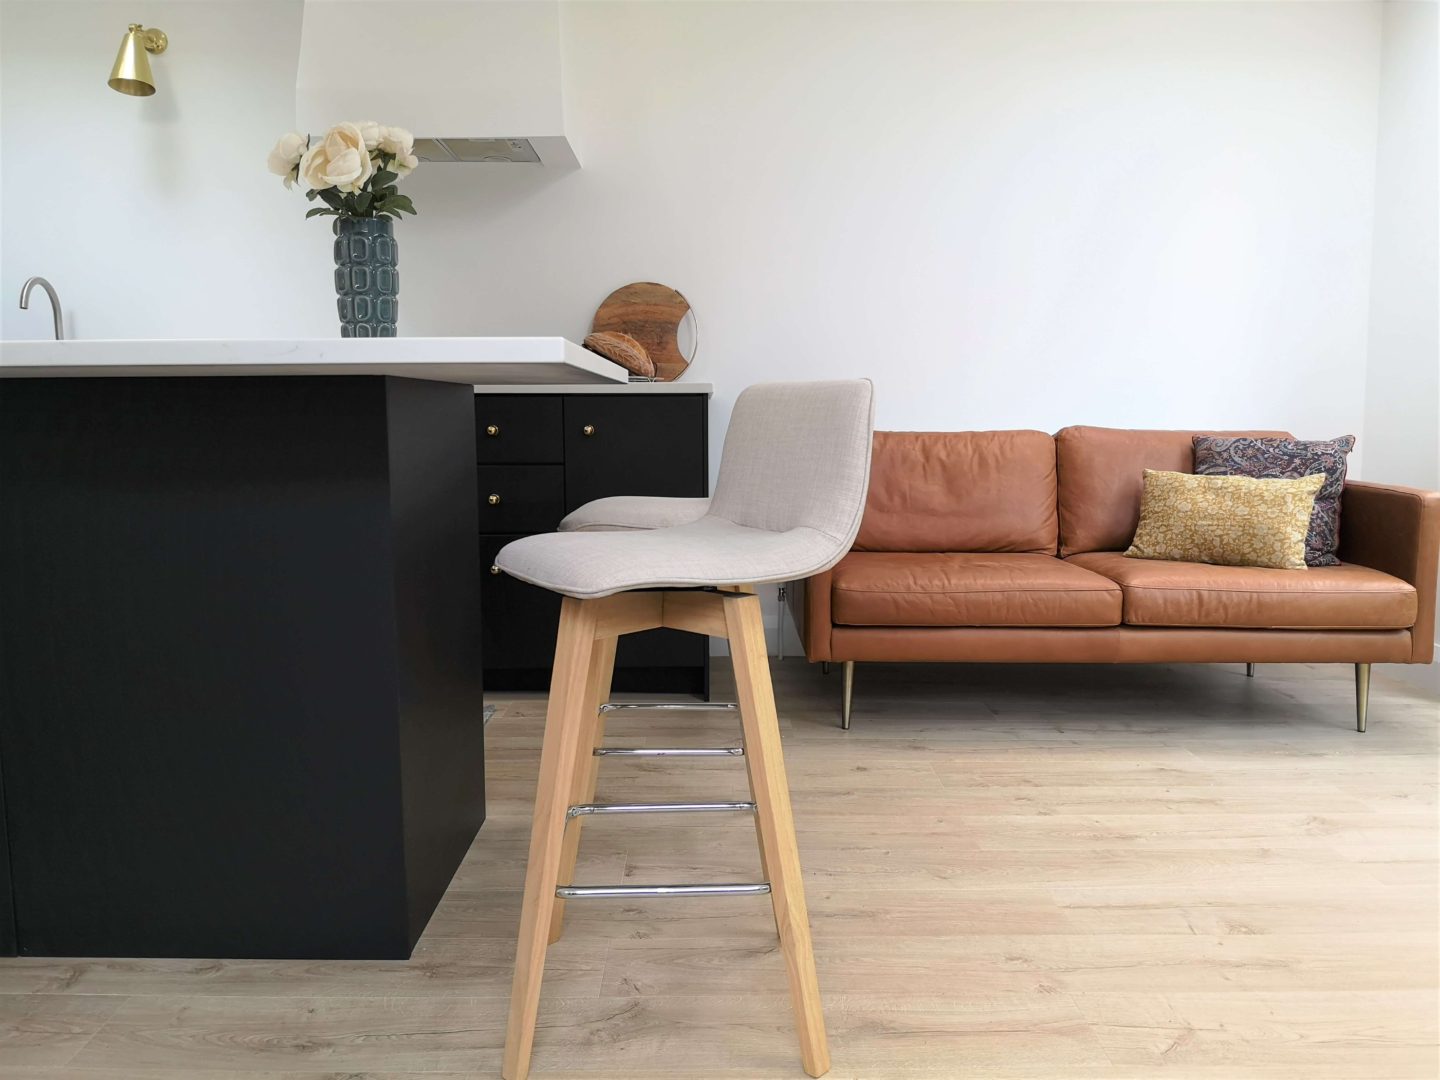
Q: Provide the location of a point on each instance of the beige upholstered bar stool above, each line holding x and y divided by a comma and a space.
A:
787, 504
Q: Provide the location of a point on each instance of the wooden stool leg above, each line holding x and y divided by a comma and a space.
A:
565, 728
587, 768
749, 775
760, 837
777, 829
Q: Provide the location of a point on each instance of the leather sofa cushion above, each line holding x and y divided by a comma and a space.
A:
873, 588
1101, 473
1344, 597
961, 491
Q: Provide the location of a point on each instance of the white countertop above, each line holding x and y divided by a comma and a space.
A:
531, 362
641, 388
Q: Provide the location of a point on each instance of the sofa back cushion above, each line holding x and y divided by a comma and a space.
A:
1102, 473
961, 491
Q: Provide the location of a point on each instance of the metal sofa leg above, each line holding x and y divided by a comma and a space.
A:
1249, 671
845, 694
1362, 695
824, 667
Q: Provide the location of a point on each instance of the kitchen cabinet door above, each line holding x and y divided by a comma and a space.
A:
520, 499
518, 429
650, 445
519, 624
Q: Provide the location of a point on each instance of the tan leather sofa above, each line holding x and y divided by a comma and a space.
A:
1004, 546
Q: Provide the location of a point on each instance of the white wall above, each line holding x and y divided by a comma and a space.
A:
1007, 214
1402, 378
1402, 383
154, 217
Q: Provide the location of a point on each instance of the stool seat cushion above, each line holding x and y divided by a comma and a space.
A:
620, 512
711, 551
787, 504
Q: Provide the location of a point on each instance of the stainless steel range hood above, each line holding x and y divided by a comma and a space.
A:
477, 81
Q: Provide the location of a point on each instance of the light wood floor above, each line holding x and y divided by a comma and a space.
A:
1090, 872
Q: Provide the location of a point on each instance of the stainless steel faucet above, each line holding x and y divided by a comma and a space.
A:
30, 284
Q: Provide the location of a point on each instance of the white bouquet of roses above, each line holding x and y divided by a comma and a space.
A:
352, 169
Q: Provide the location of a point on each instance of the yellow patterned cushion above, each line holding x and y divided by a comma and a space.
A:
1227, 520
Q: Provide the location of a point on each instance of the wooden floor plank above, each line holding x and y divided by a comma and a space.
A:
40, 1030
1021, 873
1345, 907
1043, 963
1371, 1032
441, 966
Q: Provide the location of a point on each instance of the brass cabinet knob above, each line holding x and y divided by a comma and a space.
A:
492, 430
494, 569
588, 429
493, 500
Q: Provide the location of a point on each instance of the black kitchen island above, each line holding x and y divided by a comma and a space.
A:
240, 659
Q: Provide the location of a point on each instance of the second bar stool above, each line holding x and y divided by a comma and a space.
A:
787, 504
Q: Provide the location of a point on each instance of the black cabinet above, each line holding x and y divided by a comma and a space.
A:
543, 455
633, 446
518, 622
518, 429
240, 679
521, 498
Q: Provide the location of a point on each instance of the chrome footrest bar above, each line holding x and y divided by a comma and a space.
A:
670, 751
670, 706
603, 892
659, 808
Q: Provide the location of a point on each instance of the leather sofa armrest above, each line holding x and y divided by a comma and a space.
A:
1397, 530
810, 607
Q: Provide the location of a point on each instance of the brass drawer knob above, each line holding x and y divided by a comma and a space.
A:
588, 429
494, 569
492, 430
493, 500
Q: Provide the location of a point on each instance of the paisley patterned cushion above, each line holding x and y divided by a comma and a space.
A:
1286, 459
1227, 520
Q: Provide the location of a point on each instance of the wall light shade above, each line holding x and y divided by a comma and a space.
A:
131, 73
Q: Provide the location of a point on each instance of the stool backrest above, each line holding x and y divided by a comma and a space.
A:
797, 455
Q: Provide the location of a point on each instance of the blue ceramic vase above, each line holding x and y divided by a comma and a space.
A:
367, 283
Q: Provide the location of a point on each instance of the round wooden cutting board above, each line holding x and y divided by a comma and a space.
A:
651, 314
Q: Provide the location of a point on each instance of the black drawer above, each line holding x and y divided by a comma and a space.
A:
521, 498
519, 429
634, 445
520, 621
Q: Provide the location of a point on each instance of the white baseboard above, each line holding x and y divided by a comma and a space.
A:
1424, 676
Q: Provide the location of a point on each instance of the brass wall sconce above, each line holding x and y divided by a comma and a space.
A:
131, 73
